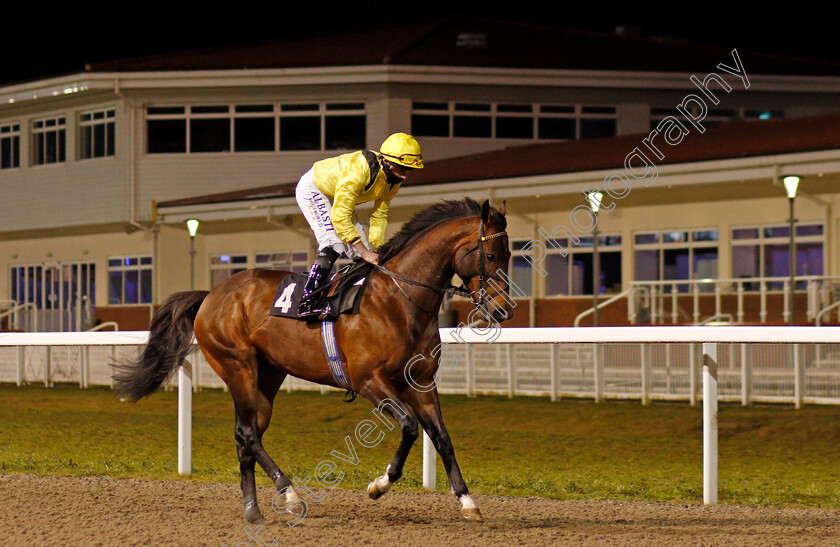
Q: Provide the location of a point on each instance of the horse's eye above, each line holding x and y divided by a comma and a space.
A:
491, 258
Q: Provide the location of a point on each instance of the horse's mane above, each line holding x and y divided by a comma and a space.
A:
445, 210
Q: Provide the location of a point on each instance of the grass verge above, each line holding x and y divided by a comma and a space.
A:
770, 455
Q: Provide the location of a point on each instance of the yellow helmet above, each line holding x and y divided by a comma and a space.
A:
402, 149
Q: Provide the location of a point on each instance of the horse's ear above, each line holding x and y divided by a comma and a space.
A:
503, 208
485, 211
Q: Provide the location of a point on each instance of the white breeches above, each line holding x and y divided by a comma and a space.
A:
316, 208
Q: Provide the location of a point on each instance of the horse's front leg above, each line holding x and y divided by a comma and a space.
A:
387, 402
426, 406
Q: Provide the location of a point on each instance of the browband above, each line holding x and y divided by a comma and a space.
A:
497, 234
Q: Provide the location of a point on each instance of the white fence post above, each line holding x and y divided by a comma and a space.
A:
646, 355
470, 374
429, 463
84, 355
113, 358
185, 418
597, 374
746, 375
47, 368
710, 424
692, 374
511, 371
798, 378
21, 351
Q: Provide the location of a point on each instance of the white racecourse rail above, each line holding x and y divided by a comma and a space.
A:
470, 340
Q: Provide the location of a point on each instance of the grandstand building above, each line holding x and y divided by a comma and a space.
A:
100, 169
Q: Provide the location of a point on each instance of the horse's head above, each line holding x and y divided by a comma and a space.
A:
482, 262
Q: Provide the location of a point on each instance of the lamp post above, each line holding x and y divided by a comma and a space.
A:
192, 226
791, 183
595, 204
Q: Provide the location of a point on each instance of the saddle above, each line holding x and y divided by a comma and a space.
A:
343, 292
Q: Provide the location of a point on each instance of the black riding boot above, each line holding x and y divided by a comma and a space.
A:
318, 275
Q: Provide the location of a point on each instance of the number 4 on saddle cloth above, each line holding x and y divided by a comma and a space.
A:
343, 293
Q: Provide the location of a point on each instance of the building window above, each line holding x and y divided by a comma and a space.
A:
715, 116
515, 121
512, 121
255, 128
761, 114
345, 127
130, 280
9, 146
472, 120
594, 122
676, 254
223, 266
290, 261
572, 274
431, 119
300, 127
209, 129
96, 134
521, 261
48, 140
764, 251
166, 129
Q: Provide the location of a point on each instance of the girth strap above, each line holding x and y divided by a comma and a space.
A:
333, 359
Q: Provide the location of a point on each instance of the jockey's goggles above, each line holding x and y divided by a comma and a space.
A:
410, 161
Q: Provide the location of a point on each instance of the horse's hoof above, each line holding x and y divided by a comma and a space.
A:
373, 491
253, 514
472, 514
379, 485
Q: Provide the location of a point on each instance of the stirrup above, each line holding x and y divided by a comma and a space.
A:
325, 312
307, 309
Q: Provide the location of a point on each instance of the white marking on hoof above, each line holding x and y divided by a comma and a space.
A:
291, 495
469, 510
379, 485
468, 503
383, 483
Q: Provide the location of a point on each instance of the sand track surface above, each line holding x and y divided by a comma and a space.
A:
105, 511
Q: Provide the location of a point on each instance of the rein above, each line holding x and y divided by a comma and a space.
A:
451, 289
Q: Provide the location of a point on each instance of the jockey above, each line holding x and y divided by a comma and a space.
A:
328, 193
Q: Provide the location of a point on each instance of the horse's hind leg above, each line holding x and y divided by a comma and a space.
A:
426, 407
386, 400
247, 464
254, 405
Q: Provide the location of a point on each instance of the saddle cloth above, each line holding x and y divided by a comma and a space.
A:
343, 292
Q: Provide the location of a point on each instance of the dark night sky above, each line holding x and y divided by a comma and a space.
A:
39, 39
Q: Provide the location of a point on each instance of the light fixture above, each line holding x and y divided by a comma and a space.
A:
192, 226
791, 183
594, 199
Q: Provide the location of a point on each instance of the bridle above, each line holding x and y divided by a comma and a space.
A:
482, 271
451, 289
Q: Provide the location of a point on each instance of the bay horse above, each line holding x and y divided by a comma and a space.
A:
397, 324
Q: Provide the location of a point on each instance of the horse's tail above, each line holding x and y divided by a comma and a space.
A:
170, 341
